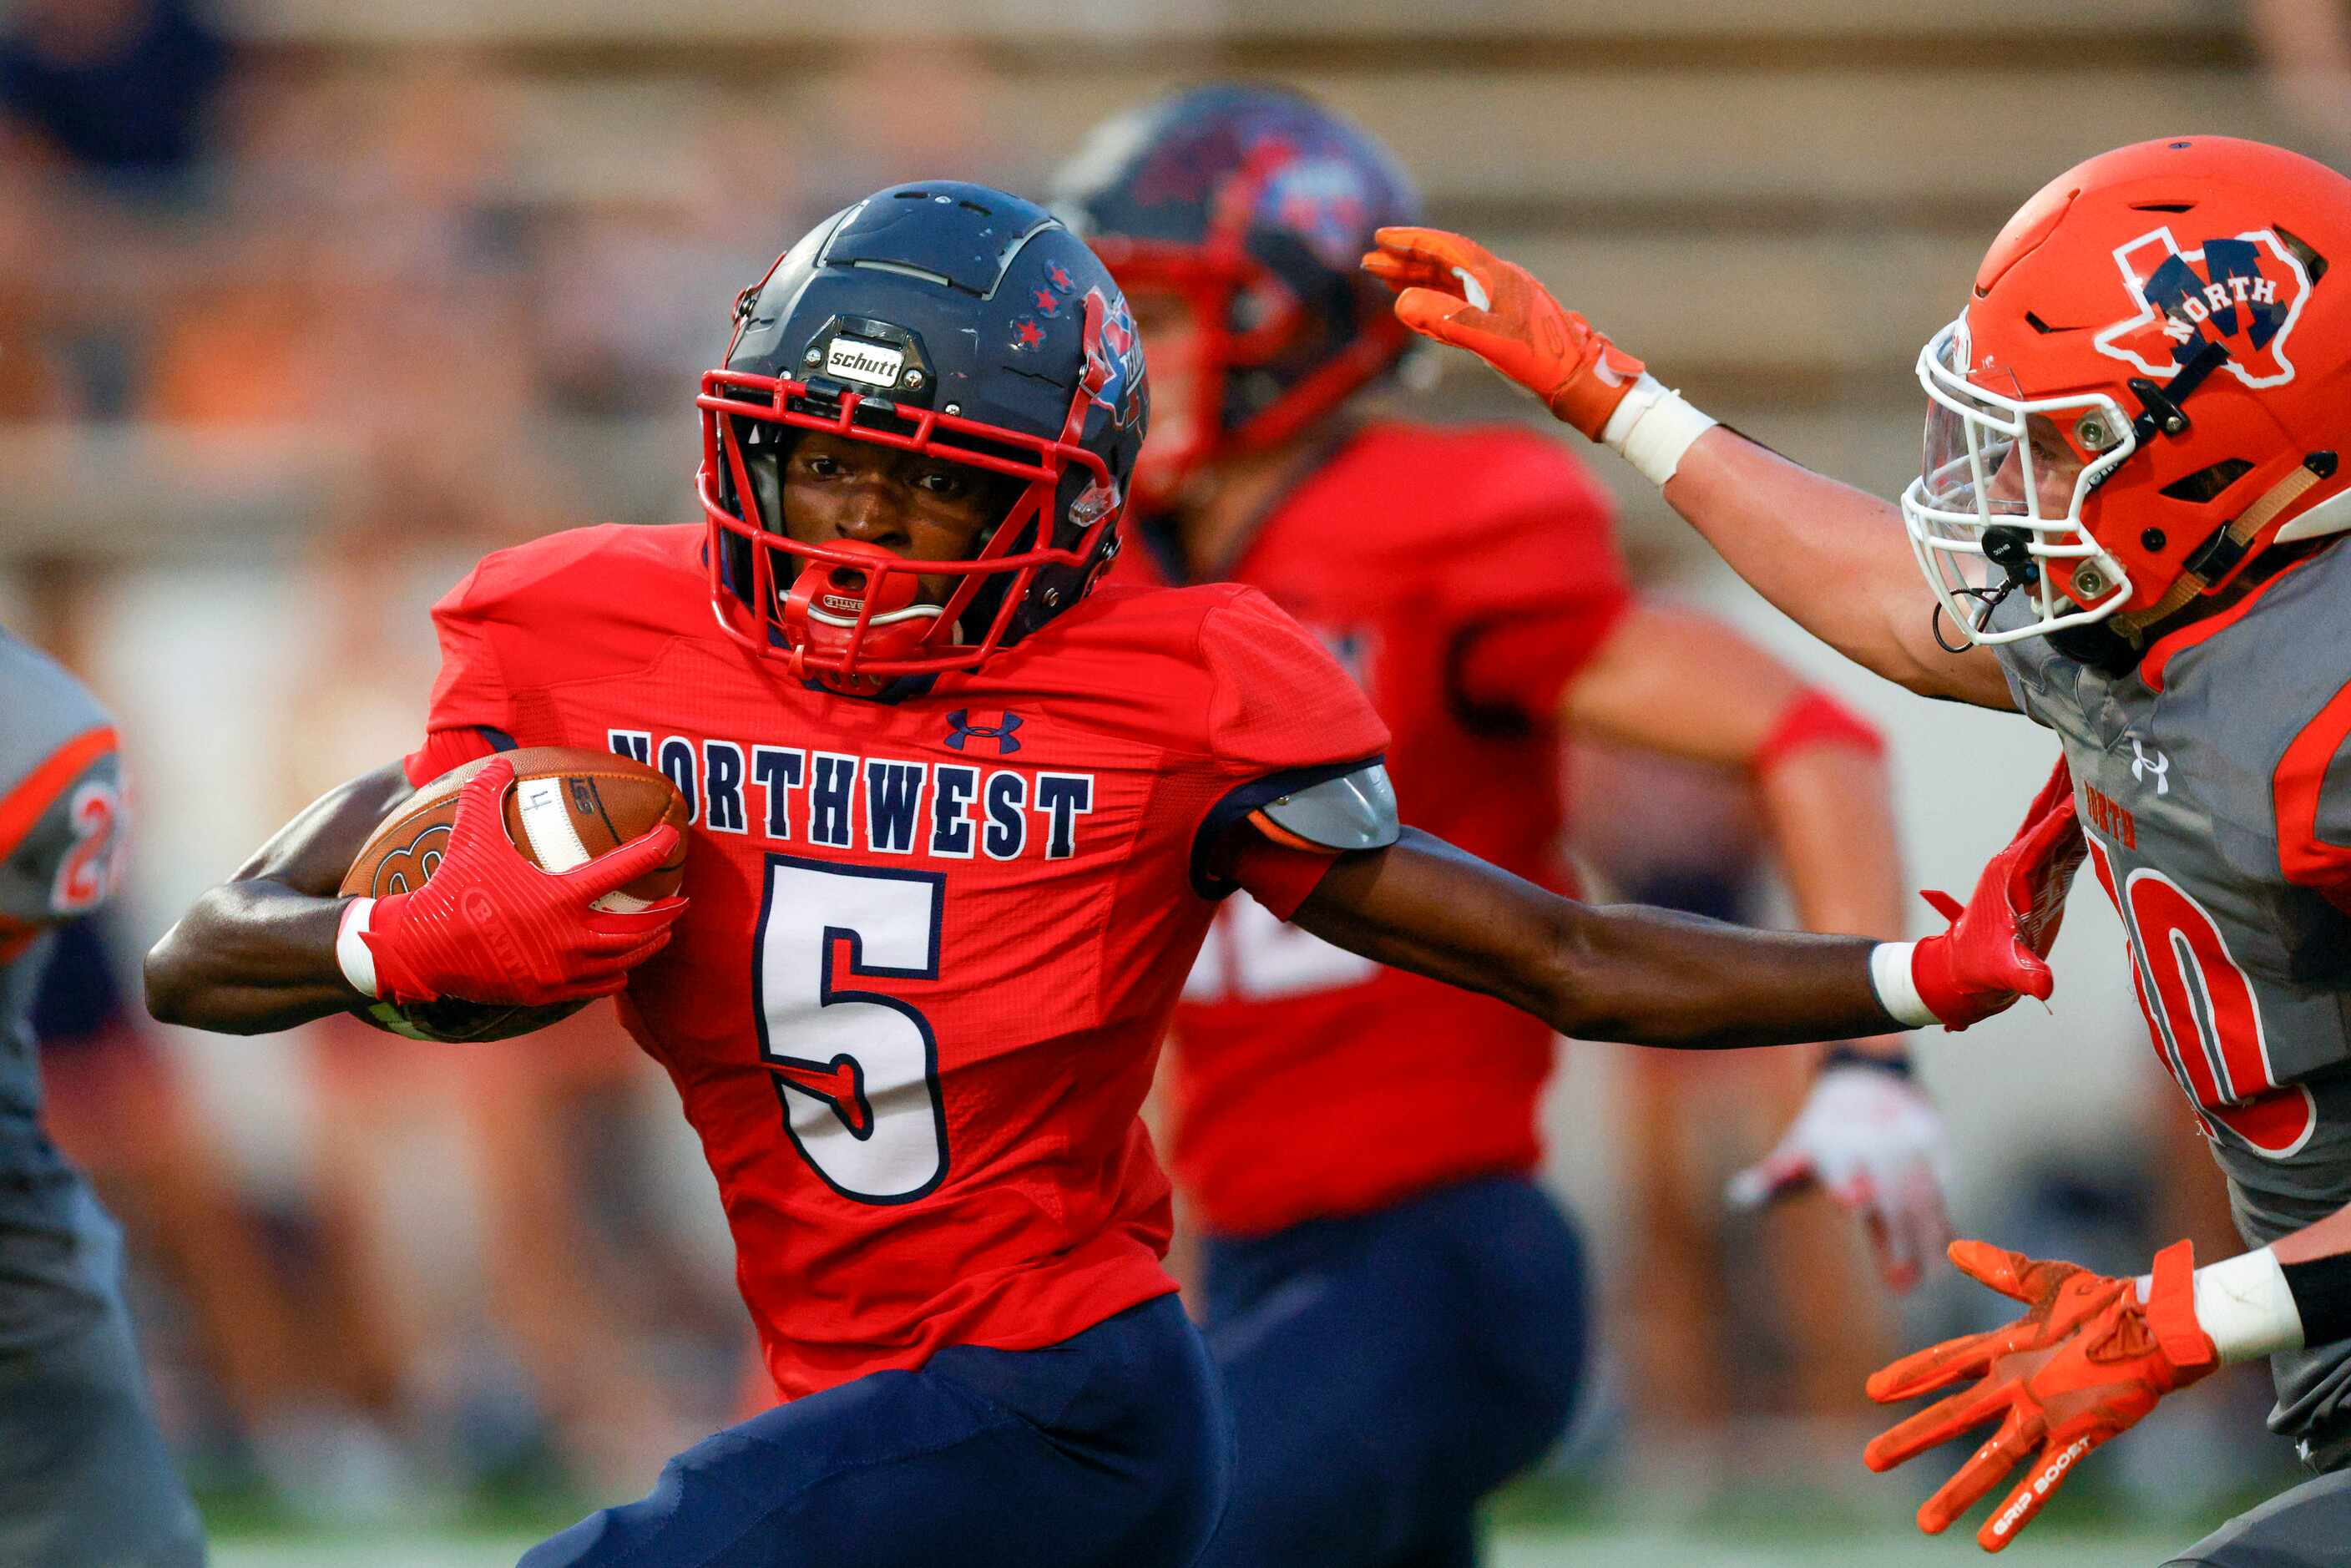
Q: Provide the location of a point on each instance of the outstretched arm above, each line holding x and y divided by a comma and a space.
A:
1833, 558
1652, 976
1649, 977
1685, 685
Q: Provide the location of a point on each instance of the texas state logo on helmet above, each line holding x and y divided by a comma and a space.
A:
1115, 359
943, 318
1253, 204
2149, 387
2242, 292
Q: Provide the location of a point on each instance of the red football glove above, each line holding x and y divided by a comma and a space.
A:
1456, 291
490, 927
1998, 944
2085, 1364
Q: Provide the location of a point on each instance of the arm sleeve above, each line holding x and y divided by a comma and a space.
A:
1278, 876
1532, 587
1282, 714
61, 834
472, 710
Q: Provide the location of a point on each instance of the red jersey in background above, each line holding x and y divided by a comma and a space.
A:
1462, 577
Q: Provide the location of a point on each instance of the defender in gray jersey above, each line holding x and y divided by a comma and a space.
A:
85, 1478
2129, 524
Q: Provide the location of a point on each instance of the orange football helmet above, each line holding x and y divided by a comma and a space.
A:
2148, 387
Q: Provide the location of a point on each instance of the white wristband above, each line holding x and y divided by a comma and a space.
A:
358, 962
1898, 993
1653, 427
2245, 1304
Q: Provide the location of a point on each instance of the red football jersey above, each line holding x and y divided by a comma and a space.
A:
1462, 577
932, 943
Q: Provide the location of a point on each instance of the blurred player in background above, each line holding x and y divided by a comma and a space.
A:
959, 826
2129, 522
1398, 1309
85, 1476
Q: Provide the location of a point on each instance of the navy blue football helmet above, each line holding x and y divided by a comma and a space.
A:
1255, 204
943, 318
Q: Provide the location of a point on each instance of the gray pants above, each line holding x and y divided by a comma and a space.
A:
85, 1479
2307, 1527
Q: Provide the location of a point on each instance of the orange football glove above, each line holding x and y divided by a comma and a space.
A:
1998, 943
1456, 291
2085, 1363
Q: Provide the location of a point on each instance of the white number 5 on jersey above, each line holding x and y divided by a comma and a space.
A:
858, 1072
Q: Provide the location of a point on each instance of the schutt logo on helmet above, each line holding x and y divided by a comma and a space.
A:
2243, 292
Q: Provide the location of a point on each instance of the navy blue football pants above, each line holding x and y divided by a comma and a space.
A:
1111, 1447
1388, 1370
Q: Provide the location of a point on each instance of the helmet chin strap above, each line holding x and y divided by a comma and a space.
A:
2219, 555
2160, 413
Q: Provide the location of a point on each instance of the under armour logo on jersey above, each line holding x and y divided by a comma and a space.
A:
964, 729
2142, 764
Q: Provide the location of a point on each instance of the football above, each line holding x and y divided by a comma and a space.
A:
567, 806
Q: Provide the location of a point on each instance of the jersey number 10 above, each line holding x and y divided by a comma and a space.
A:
2202, 1012
858, 1073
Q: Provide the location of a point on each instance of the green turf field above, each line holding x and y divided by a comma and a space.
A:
1516, 1547
1540, 1522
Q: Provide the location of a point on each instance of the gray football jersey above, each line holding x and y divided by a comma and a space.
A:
60, 826
2215, 790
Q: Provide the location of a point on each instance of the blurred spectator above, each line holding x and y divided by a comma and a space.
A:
583, 1271
33, 384
120, 87
637, 286
945, 118
241, 346
1776, 1317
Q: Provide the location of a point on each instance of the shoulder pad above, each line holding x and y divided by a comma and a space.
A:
1356, 810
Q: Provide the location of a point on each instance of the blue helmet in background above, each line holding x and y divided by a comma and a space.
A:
1255, 204
944, 319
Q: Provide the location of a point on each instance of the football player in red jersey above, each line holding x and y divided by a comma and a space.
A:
1388, 1264
959, 825
2128, 521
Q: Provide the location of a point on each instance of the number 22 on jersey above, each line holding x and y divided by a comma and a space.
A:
857, 1070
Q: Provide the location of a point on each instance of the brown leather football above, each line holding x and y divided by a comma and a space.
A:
567, 806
